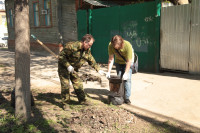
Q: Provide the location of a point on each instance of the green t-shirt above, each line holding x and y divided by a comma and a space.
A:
127, 52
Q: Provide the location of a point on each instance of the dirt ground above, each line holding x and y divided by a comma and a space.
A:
48, 115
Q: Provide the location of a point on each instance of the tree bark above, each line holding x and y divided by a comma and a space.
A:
22, 61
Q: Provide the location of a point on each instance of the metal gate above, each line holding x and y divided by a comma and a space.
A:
194, 62
175, 31
180, 41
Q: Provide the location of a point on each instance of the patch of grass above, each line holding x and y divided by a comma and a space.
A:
113, 106
76, 107
1, 65
8, 123
41, 125
116, 125
32, 128
4, 48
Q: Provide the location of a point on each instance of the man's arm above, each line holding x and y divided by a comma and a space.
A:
129, 57
91, 61
110, 62
128, 65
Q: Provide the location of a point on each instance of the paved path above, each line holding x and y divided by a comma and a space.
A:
162, 96
172, 95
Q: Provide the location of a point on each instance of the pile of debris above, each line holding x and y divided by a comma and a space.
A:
90, 77
98, 119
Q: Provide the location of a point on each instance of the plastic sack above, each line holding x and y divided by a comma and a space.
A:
116, 100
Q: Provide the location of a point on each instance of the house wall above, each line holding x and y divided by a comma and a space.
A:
3, 24
9, 5
46, 34
69, 20
2, 13
49, 35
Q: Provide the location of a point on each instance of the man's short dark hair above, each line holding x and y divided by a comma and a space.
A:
87, 37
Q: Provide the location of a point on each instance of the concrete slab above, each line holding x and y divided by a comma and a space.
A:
173, 95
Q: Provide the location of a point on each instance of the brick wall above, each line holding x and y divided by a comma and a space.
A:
36, 47
46, 34
69, 21
64, 23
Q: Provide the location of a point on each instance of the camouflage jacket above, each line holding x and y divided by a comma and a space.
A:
73, 55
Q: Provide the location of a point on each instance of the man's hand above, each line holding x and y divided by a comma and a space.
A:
108, 75
70, 69
125, 76
101, 72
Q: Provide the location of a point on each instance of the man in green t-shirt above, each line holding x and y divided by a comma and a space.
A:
123, 52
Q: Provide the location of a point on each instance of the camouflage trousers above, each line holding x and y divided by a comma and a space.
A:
65, 78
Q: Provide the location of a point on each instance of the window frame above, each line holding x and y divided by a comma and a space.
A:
33, 4
50, 14
11, 18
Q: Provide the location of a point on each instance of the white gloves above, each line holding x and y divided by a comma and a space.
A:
101, 72
70, 69
125, 76
108, 75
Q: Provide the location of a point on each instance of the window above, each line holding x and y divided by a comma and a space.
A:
47, 7
36, 14
3, 18
10, 20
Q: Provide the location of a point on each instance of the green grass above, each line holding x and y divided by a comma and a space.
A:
1, 65
4, 48
10, 124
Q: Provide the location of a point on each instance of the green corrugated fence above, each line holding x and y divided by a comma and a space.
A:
138, 23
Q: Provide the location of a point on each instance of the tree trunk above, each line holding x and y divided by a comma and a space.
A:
22, 61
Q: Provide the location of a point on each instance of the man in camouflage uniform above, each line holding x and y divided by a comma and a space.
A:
71, 58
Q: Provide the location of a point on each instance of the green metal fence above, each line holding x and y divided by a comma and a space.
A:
82, 23
136, 23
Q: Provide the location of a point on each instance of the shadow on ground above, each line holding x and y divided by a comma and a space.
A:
9, 123
170, 124
98, 94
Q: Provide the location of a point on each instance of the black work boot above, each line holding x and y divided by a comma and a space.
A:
127, 101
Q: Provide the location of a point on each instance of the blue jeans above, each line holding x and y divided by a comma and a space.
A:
127, 84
